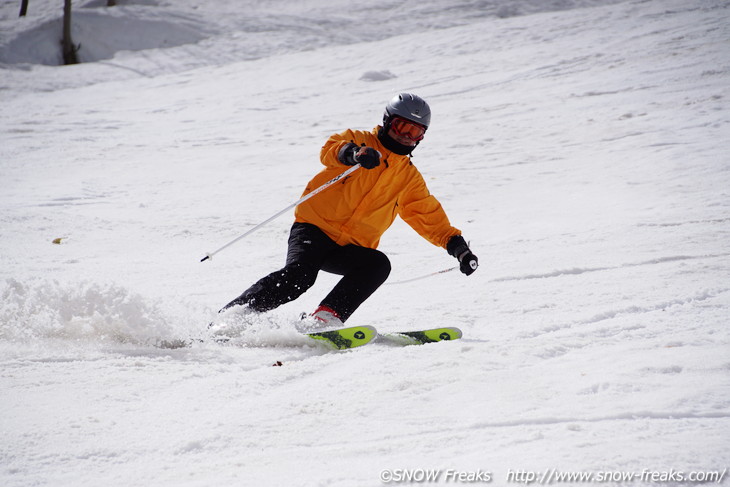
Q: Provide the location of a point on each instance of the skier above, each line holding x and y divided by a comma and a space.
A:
339, 230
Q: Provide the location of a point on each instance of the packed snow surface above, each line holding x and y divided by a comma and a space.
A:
581, 146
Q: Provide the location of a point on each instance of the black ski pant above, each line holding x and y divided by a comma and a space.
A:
310, 250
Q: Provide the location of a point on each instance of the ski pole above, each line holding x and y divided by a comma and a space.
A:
444, 271
302, 200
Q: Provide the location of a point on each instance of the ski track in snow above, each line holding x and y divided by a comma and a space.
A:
580, 145
577, 271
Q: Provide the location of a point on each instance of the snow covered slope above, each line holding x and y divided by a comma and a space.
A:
583, 152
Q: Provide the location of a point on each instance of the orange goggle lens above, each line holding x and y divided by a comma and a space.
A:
406, 128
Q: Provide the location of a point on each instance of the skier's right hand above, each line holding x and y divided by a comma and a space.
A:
352, 154
367, 157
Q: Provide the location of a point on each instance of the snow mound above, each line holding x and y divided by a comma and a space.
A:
377, 76
99, 35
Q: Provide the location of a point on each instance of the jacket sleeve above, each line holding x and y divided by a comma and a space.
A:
423, 212
329, 155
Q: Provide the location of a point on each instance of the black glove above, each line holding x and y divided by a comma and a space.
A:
367, 157
457, 247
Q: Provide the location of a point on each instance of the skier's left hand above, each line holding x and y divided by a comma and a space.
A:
468, 262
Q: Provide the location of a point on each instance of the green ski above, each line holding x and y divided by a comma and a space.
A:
345, 338
423, 336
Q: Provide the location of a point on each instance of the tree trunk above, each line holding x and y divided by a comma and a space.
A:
23, 7
69, 49
111, 3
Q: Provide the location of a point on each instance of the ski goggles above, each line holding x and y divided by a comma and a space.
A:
406, 128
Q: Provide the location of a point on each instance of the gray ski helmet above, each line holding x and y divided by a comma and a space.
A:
408, 106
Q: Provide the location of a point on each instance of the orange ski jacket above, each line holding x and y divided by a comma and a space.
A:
360, 208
